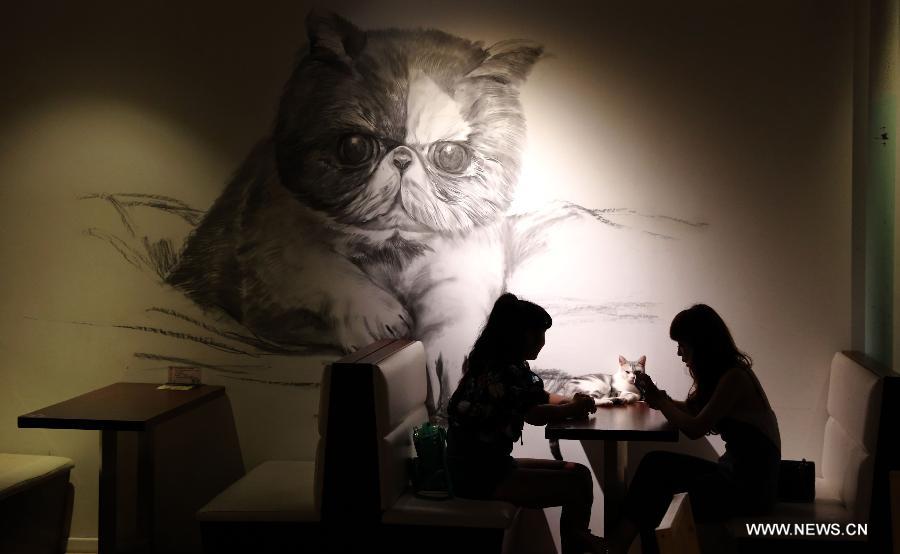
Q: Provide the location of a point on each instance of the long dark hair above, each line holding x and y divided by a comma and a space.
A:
714, 350
501, 338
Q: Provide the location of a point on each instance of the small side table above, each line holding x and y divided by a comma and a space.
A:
138, 407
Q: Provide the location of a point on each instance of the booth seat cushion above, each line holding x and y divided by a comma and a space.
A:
456, 512
21, 471
399, 388
854, 401
395, 452
273, 491
828, 507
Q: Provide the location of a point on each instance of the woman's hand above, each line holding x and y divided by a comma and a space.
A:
561, 408
584, 403
652, 394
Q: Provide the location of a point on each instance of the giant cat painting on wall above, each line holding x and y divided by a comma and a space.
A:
378, 207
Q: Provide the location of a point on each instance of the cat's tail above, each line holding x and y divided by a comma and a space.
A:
554, 449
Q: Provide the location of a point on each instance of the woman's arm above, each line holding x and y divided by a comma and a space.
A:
557, 399
681, 405
560, 408
722, 402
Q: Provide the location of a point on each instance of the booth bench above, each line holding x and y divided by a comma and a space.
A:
356, 497
857, 453
35, 503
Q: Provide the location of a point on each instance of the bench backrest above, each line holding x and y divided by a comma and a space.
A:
851, 433
400, 384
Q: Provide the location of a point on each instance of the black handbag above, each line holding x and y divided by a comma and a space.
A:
796, 481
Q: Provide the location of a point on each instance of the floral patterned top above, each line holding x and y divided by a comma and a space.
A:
487, 412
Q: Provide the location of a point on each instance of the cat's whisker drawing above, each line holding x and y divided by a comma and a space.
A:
123, 200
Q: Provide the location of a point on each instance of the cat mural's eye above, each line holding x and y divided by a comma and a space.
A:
450, 157
356, 149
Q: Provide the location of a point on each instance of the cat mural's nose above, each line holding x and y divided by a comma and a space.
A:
402, 157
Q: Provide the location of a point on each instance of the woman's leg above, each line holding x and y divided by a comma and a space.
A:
659, 476
542, 483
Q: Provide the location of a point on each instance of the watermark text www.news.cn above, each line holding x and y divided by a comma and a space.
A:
808, 529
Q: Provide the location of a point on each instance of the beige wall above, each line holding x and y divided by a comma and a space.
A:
739, 117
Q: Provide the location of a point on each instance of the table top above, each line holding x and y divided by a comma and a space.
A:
631, 422
120, 407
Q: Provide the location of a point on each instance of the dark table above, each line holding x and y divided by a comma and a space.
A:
122, 407
600, 436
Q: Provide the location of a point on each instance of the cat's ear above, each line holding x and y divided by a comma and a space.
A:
622, 360
331, 35
642, 360
508, 61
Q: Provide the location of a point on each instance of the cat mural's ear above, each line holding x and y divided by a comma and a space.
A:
508, 61
331, 35
622, 360
642, 360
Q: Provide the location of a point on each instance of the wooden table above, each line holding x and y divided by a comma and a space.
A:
600, 436
123, 407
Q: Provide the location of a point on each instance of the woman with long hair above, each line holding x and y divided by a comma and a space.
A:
727, 399
497, 394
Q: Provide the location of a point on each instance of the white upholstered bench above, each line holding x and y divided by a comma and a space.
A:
35, 503
277, 506
274, 508
844, 489
356, 497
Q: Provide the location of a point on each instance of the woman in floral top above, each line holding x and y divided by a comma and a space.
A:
497, 394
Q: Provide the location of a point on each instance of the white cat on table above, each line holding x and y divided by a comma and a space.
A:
607, 389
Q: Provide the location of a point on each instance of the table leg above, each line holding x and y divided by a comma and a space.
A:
607, 459
146, 490
108, 492
614, 482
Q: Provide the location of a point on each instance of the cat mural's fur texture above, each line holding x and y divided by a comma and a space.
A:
377, 206
606, 389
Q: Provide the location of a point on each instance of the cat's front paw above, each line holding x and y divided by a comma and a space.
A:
607, 401
379, 316
629, 397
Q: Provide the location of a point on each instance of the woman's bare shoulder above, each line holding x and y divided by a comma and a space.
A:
738, 378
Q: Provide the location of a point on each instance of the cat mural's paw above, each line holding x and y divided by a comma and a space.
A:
376, 316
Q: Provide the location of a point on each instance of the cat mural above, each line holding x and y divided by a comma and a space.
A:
377, 206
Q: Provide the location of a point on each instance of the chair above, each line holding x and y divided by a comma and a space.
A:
35, 503
677, 533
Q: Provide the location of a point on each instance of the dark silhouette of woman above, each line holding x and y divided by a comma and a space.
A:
497, 394
726, 398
